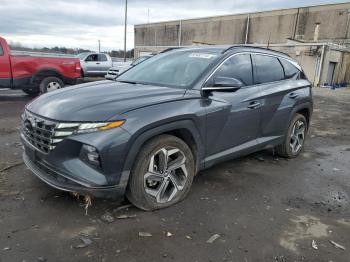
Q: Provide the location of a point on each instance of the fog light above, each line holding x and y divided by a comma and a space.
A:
90, 155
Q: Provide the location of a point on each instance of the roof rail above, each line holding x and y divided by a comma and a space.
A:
169, 49
252, 46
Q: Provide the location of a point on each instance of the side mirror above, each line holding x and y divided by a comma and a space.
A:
223, 84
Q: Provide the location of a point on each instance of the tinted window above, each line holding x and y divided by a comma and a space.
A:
91, 58
102, 57
239, 67
1, 50
267, 69
290, 70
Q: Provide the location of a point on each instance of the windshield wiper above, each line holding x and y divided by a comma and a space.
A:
125, 81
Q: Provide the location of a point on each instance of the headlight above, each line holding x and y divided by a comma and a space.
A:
91, 127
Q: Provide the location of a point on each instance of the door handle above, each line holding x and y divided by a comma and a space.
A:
293, 95
253, 105
97, 63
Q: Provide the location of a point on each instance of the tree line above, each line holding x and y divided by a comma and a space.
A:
69, 51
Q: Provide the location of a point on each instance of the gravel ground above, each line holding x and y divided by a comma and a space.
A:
256, 208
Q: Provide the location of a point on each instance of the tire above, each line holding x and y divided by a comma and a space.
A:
286, 149
31, 92
144, 188
50, 83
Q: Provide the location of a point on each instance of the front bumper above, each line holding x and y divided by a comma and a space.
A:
63, 169
60, 182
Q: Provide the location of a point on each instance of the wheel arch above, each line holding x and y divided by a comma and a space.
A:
183, 129
304, 109
43, 73
306, 113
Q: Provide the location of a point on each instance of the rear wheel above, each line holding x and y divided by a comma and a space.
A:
295, 137
50, 83
162, 174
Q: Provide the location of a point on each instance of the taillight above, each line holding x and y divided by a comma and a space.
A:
77, 67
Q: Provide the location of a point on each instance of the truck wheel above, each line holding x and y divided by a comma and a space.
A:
295, 138
50, 83
162, 174
31, 92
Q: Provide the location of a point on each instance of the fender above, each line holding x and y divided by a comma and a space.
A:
299, 107
139, 139
48, 72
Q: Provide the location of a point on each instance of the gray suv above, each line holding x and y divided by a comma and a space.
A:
146, 134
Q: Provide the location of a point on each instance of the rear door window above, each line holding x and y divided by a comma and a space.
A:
1, 51
267, 69
239, 67
102, 57
290, 70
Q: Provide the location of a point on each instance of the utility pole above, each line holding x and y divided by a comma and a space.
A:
125, 26
99, 46
247, 30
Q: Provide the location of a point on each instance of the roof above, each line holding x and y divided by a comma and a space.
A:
223, 49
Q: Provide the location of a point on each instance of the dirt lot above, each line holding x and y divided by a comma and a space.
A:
264, 208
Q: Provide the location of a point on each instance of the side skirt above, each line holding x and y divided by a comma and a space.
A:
243, 149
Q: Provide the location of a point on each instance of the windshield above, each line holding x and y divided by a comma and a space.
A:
82, 55
178, 69
139, 60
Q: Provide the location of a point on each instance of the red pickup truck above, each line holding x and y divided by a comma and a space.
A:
36, 74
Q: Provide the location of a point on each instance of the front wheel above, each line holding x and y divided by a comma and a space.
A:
162, 174
295, 138
50, 83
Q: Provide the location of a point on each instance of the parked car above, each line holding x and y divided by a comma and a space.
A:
36, 74
95, 64
146, 134
114, 71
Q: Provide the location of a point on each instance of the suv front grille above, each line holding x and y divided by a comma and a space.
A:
45, 134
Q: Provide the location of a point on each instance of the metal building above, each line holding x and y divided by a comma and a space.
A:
317, 36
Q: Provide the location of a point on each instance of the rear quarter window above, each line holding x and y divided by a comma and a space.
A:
290, 70
267, 69
1, 50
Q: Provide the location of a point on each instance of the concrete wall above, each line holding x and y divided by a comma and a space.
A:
271, 26
343, 74
274, 27
342, 69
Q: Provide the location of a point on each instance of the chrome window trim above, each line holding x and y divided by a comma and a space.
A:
253, 53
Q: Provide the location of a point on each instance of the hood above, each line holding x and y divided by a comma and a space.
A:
99, 101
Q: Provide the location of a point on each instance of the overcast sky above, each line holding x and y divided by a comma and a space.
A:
80, 23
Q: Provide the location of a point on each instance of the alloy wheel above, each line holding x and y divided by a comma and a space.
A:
167, 174
297, 136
